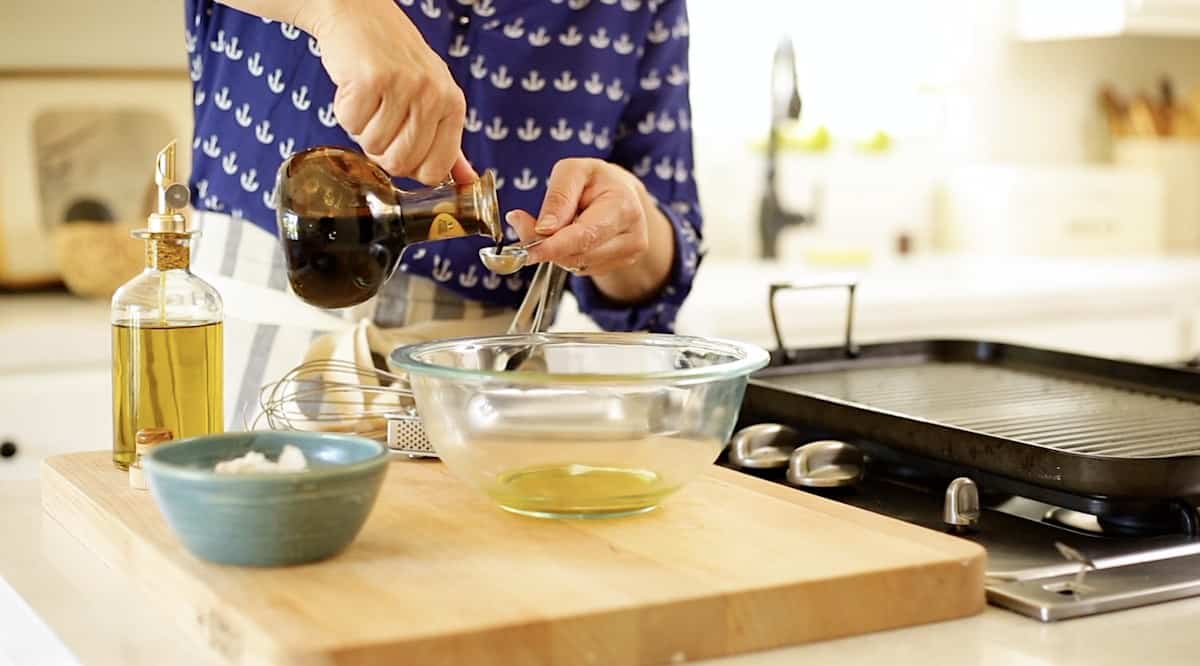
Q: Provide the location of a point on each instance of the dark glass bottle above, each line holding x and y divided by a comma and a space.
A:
343, 224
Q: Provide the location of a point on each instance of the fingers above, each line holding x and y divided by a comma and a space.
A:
410, 145
354, 105
564, 194
447, 142
443, 153
591, 222
523, 223
618, 252
623, 250
462, 171
413, 132
382, 127
605, 217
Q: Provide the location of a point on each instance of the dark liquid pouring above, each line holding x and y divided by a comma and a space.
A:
343, 224
336, 262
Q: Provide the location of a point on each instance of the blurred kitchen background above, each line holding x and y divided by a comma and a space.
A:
1025, 171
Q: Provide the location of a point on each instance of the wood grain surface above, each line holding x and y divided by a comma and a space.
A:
440, 575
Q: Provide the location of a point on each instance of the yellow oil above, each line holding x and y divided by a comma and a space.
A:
580, 490
165, 377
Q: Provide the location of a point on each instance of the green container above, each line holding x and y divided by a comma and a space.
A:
267, 519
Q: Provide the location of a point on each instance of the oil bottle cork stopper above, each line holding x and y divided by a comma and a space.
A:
145, 440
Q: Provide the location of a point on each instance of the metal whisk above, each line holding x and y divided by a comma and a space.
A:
339, 396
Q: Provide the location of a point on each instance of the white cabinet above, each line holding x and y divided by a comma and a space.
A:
1046, 20
46, 413
52, 332
55, 393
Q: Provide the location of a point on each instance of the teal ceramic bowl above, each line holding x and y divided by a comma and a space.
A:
267, 519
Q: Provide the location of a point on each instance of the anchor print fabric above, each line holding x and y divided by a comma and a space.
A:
544, 80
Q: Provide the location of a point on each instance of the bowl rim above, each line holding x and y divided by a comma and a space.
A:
752, 358
154, 464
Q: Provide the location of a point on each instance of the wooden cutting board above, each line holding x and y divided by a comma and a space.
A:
439, 575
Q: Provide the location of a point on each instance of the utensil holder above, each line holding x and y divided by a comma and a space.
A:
1177, 162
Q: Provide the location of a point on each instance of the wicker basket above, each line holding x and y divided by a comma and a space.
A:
95, 258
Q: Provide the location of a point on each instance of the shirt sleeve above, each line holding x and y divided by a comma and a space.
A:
654, 141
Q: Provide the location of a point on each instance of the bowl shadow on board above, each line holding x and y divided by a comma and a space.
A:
267, 519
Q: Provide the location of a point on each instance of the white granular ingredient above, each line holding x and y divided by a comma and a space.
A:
291, 459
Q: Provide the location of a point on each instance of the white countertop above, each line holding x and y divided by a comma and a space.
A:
1140, 308
947, 292
59, 605
925, 297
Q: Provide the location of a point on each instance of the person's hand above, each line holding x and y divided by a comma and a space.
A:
395, 96
598, 219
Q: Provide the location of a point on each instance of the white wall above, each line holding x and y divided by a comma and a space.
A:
944, 76
91, 33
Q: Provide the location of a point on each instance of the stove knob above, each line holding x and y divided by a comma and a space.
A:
960, 512
826, 464
8, 449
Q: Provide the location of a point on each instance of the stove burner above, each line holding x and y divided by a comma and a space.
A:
1117, 516
1172, 516
1040, 541
1074, 520
1166, 518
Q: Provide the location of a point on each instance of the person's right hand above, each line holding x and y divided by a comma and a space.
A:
395, 96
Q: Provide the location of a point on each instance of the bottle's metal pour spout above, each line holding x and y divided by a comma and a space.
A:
171, 198
164, 166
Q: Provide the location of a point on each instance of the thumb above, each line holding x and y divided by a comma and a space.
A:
522, 223
462, 171
563, 191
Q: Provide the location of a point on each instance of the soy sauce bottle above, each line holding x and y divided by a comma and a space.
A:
343, 224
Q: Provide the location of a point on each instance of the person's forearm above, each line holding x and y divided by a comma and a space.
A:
649, 275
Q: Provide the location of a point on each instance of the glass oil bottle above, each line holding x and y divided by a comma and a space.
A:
166, 332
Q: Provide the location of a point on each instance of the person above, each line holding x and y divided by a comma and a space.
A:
580, 106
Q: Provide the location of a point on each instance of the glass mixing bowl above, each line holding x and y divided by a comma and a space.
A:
587, 424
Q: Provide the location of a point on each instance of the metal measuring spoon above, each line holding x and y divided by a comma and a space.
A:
507, 260
534, 316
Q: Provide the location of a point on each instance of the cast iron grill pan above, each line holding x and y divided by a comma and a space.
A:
1081, 424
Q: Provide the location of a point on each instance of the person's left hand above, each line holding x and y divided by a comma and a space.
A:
593, 219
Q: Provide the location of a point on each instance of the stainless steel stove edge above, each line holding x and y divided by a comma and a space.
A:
1056, 593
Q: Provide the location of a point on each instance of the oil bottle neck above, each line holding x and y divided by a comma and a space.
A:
168, 252
420, 226
453, 211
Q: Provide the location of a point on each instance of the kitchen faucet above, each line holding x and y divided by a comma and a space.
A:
785, 105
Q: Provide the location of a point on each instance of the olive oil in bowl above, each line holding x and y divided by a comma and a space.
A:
580, 491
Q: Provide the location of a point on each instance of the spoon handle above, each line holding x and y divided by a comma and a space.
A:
541, 300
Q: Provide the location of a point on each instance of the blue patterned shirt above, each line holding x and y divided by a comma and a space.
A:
544, 80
